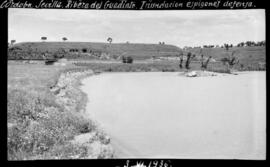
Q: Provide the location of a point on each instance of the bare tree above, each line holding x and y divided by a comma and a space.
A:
205, 64
202, 57
181, 60
109, 40
227, 46
44, 56
12, 42
230, 61
189, 59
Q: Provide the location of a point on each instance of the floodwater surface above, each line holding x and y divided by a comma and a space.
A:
165, 115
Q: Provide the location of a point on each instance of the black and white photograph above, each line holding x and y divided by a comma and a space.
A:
123, 84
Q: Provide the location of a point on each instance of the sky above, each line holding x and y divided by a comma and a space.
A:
176, 27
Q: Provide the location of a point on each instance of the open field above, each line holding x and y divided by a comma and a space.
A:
165, 115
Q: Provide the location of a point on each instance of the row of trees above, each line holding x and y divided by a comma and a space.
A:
246, 44
13, 41
251, 43
109, 39
230, 60
227, 46
45, 38
65, 39
204, 62
208, 46
161, 43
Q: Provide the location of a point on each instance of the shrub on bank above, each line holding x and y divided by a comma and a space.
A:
127, 59
168, 70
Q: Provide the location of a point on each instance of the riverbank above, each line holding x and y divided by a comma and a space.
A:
45, 115
69, 95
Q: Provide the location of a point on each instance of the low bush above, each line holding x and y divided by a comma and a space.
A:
168, 70
127, 59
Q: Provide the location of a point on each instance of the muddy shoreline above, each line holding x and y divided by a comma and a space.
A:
73, 99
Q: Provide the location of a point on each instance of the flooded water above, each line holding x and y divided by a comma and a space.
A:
164, 115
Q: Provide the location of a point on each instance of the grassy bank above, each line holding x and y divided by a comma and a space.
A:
41, 127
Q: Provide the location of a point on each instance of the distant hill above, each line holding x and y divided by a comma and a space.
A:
137, 51
85, 50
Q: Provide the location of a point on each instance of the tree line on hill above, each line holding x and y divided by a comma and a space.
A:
251, 43
227, 46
